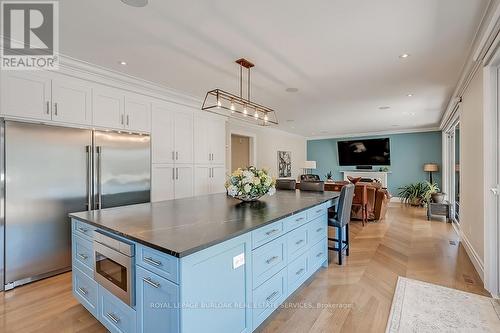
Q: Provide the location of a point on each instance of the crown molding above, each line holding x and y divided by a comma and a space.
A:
364, 134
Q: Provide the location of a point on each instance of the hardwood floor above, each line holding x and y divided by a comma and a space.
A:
355, 297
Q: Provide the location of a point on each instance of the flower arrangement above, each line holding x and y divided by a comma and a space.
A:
250, 184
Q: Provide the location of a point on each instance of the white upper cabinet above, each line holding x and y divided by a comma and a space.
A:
71, 101
26, 95
137, 113
108, 107
209, 140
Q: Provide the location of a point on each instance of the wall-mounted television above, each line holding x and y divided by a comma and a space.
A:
364, 152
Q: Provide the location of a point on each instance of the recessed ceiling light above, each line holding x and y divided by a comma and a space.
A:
290, 120
406, 113
292, 90
394, 125
409, 95
123, 63
135, 3
385, 107
404, 55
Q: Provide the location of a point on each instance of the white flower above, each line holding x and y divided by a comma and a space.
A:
247, 188
248, 174
232, 190
256, 181
268, 181
271, 191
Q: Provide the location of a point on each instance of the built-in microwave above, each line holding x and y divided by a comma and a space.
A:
114, 266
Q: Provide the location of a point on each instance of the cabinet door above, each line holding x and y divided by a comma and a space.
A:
162, 134
201, 180
157, 303
217, 139
183, 137
201, 143
162, 182
218, 179
71, 100
107, 107
137, 113
25, 94
183, 181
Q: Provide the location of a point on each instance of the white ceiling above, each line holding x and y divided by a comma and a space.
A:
342, 55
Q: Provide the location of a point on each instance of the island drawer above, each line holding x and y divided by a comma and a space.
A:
266, 234
85, 290
317, 255
268, 297
297, 272
83, 230
157, 262
115, 315
297, 242
317, 229
295, 221
268, 260
83, 254
316, 211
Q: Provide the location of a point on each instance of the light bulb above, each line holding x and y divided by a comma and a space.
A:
218, 104
232, 107
245, 111
266, 118
256, 115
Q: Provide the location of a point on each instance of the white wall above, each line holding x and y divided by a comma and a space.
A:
471, 169
267, 142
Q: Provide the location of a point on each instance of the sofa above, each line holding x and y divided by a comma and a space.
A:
377, 200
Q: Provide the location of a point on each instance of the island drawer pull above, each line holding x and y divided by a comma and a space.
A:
319, 229
270, 260
113, 318
299, 219
82, 256
319, 210
298, 242
151, 261
270, 232
84, 230
299, 271
319, 254
83, 291
272, 296
151, 283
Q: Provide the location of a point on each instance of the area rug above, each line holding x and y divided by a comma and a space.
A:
425, 307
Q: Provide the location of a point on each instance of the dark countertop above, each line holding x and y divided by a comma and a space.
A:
184, 226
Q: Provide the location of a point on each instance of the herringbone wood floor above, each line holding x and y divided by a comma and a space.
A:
355, 297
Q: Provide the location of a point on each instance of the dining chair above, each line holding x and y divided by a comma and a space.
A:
341, 219
285, 184
312, 186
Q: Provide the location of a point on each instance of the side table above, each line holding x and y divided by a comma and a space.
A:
442, 209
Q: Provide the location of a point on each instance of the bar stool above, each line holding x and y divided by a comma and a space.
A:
312, 186
285, 184
340, 219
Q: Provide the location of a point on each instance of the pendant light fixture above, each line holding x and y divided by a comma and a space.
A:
227, 104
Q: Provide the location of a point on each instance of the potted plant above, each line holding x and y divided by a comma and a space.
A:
329, 176
414, 194
434, 193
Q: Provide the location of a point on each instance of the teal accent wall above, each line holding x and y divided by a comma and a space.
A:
409, 152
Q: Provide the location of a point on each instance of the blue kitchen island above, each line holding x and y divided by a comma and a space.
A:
201, 264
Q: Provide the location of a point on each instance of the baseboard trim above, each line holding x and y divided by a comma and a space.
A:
395, 199
473, 256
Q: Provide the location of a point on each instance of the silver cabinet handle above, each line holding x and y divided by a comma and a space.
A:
299, 242
319, 229
173, 155
319, 254
272, 259
319, 210
48, 107
209, 156
269, 233
151, 283
151, 261
176, 155
83, 291
99, 177
82, 256
121, 118
173, 173
113, 318
88, 150
177, 173
84, 230
55, 108
128, 119
273, 295
299, 219
299, 271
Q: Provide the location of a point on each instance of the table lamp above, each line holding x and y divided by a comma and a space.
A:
430, 168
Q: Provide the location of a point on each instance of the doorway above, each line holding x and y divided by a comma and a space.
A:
240, 151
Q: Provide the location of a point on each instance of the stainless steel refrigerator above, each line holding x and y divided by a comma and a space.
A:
49, 172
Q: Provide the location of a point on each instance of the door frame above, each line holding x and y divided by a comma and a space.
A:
253, 147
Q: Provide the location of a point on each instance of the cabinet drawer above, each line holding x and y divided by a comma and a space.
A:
268, 297
316, 211
268, 260
115, 315
83, 254
297, 273
295, 221
83, 230
297, 242
317, 229
85, 290
266, 234
317, 255
157, 303
157, 262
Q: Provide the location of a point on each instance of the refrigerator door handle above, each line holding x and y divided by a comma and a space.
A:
88, 150
98, 177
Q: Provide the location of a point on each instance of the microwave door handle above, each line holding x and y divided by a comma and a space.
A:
88, 151
99, 177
